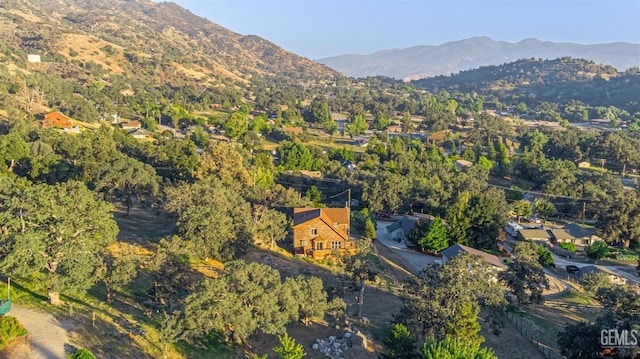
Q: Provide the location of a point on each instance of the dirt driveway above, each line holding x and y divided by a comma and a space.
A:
47, 336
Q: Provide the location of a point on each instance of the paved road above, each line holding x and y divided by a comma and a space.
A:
416, 260
563, 262
46, 335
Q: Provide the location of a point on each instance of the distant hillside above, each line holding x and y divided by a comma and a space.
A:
449, 58
160, 42
557, 81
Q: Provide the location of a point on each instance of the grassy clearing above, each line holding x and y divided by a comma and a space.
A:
543, 322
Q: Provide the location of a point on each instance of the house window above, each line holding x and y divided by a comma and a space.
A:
336, 245
303, 243
314, 231
319, 246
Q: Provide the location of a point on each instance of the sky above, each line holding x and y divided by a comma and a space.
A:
322, 28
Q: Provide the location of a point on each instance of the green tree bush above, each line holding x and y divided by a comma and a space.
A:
288, 348
597, 250
10, 328
82, 354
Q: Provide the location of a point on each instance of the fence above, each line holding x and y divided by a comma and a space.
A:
528, 332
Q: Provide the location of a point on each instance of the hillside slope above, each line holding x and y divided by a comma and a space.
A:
451, 57
160, 42
556, 81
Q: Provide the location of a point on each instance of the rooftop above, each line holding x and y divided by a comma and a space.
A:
456, 249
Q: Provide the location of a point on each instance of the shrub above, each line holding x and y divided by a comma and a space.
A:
82, 354
569, 247
10, 328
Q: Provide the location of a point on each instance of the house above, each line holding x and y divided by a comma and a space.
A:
131, 125
318, 232
512, 229
56, 120
33, 59
583, 237
462, 164
590, 269
139, 133
600, 122
456, 249
540, 236
399, 230
584, 164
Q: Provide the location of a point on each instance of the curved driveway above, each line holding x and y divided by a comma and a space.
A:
47, 337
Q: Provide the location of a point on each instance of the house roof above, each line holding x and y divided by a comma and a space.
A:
56, 116
579, 232
455, 249
463, 163
139, 132
561, 234
131, 124
327, 215
534, 234
394, 226
403, 223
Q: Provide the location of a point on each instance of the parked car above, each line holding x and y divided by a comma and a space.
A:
572, 269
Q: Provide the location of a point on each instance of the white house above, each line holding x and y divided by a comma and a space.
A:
31, 58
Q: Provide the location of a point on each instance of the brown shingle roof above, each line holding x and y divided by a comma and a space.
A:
329, 216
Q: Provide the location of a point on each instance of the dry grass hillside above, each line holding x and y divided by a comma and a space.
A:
162, 42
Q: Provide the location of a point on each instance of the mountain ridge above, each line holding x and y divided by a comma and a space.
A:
451, 57
152, 36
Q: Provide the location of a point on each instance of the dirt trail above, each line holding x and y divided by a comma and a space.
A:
47, 336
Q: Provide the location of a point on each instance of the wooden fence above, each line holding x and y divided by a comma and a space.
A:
527, 331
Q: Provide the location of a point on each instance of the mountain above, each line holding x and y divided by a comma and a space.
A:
159, 42
427, 61
561, 81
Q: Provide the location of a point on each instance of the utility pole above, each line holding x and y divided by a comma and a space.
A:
584, 210
349, 214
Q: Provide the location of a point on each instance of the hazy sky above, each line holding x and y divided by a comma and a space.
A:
322, 28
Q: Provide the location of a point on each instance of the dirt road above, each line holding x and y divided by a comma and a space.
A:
47, 337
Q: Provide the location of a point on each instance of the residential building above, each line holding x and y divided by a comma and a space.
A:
456, 249
131, 125
140, 133
399, 230
34, 59
540, 236
56, 120
512, 229
582, 236
318, 232
462, 164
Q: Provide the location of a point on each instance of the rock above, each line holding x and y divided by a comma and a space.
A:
332, 339
347, 335
315, 346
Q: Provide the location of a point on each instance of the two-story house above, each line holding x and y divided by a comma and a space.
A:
56, 120
318, 232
